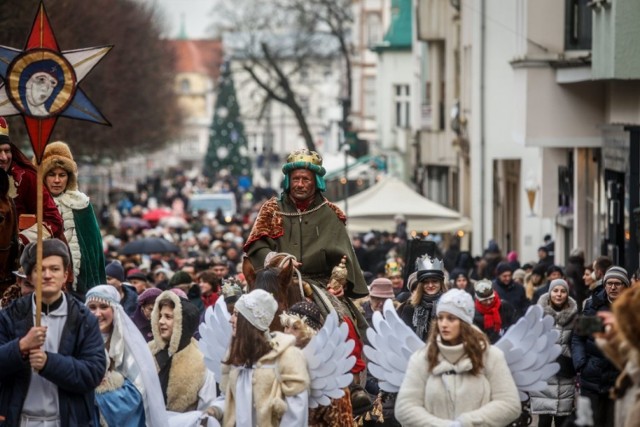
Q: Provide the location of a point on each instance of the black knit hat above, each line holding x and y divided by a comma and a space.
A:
502, 267
310, 311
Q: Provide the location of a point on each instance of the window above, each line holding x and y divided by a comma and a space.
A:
369, 97
438, 184
374, 29
577, 25
402, 102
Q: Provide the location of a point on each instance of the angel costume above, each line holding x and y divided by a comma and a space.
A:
271, 393
130, 393
284, 383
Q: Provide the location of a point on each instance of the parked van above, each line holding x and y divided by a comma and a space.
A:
211, 202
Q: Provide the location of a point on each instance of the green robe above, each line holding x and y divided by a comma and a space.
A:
318, 240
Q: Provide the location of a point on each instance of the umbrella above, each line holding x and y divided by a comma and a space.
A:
156, 215
149, 245
134, 222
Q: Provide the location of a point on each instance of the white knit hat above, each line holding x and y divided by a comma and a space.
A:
258, 307
457, 302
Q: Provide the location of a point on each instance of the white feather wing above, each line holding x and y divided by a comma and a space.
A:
329, 362
530, 349
392, 343
215, 336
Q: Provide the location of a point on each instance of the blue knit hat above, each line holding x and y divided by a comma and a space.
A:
114, 269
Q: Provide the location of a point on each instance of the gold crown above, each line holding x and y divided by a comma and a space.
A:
393, 268
304, 155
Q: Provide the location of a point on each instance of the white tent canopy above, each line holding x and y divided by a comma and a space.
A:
375, 209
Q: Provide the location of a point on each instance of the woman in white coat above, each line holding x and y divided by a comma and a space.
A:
458, 379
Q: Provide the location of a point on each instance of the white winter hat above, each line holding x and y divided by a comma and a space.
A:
457, 302
258, 307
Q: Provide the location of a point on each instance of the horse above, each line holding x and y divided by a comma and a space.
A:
277, 278
9, 242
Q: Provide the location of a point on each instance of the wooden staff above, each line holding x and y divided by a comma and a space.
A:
39, 209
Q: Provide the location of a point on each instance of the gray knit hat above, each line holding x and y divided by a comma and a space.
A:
616, 272
559, 282
50, 247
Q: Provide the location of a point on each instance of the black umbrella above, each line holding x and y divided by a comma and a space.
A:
149, 245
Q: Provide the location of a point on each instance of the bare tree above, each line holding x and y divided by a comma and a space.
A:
132, 86
274, 42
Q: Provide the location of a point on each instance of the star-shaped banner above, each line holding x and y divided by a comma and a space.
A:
41, 83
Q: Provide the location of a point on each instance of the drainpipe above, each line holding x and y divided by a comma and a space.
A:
483, 7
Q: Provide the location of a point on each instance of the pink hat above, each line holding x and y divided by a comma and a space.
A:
381, 288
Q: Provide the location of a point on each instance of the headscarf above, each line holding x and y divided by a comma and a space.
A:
131, 355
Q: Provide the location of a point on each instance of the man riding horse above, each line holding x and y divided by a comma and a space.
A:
303, 223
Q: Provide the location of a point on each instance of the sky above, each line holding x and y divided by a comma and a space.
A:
196, 14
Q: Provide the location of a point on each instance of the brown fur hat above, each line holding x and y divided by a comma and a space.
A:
627, 311
58, 155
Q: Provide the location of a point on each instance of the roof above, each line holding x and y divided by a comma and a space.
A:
399, 34
376, 207
198, 56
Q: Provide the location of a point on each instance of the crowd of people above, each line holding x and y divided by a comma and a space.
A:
117, 342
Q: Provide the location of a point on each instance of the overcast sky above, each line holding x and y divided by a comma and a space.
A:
196, 14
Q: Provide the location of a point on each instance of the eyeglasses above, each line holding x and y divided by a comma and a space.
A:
614, 284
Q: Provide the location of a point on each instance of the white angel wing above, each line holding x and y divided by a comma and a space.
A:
531, 350
329, 362
392, 344
215, 336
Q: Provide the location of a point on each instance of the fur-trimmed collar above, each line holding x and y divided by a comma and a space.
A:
72, 199
186, 378
562, 317
174, 343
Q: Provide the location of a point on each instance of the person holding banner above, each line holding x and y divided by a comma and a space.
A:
23, 185
48, 373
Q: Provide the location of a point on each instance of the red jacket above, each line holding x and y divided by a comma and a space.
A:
209, 300
25, 181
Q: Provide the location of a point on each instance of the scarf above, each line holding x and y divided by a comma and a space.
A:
491, 313
423, 314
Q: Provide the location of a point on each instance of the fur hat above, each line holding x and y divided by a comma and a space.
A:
309, 313
559, 282
114, 269
457, 302
258, 307
50, 247
616, 272
483, 289
58, 155
381, 288
304, 159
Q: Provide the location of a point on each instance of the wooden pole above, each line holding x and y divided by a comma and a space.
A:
38, 284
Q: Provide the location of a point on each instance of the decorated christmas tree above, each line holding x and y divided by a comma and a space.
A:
227, 142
